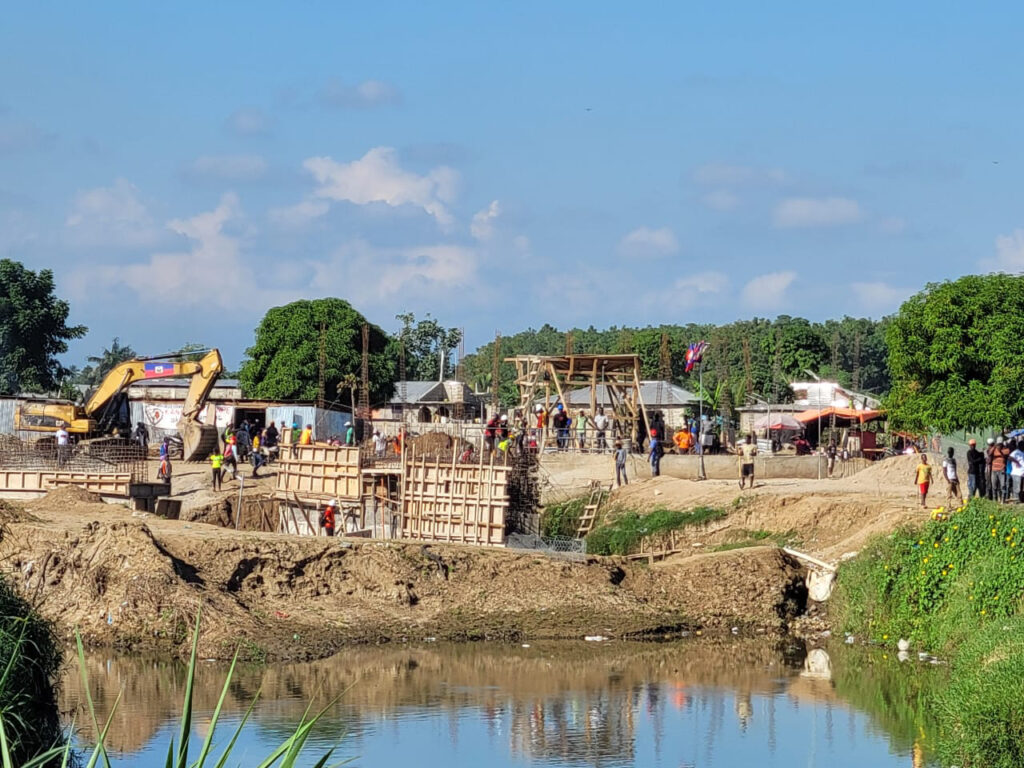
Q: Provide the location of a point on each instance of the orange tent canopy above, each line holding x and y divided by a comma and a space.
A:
852, 414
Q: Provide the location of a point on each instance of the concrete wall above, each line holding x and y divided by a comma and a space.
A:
574, 471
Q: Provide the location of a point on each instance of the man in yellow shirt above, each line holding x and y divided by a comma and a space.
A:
923, 478
747, 452
217, 463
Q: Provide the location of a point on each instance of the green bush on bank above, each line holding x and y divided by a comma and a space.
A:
563, 518
938, 584
29, 660
623, 534
954, 588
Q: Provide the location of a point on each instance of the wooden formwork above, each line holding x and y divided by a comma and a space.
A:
27, 482
319, 472
452, 502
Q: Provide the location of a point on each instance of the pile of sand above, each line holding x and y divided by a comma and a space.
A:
65, 498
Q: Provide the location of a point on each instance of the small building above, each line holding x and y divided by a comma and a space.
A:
158, 404
427, 402
674, 402
830, 394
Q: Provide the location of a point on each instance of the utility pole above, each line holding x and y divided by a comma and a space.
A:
364, 389
665, 359
495, 370
570, 344
322, 365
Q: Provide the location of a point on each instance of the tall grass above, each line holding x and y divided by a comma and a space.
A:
623, 534
284, 755
29, 660
955, 588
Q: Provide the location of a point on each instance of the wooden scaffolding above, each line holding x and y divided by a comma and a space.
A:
612, 379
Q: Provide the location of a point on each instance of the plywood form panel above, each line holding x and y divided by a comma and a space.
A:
35, 480
464, 503
322, 471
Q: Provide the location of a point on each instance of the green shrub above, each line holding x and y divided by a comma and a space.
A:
623, 534
29, 660
563, 518
938, 584
981, 708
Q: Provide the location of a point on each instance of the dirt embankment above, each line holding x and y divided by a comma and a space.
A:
131, 582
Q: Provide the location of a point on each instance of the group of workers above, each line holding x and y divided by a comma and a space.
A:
996, 473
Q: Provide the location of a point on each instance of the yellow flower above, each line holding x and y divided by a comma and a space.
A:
970, 597
950, 566
943, 573
982, 610
956, 527
936, 545
919, 543
993, 531
885, 637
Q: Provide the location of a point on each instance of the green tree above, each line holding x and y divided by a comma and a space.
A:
425, 341
103, 363
955, 352
284, 361
33, 330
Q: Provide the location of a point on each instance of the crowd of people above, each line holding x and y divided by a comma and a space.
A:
995, 473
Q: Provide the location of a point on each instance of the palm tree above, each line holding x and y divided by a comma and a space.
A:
106, 361
350, 382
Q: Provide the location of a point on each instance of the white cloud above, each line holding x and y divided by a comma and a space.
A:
298, 215
211, 274
703, 283
646, 243
721, 200
111, 217
369, 93
879, 297
724, 175
767, 292
482, 226
249, 121
387, 274
228, 167
796, 212
377, 178
1009, 252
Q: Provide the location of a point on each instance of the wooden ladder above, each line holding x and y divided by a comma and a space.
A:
597, 494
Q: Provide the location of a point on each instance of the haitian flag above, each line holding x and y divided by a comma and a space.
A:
694, 354
156, 370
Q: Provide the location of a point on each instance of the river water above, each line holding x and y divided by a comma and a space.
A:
699, 703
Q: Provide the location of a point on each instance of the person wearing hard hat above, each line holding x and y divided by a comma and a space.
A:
657, 451
306, 436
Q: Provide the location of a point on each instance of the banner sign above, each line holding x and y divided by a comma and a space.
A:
166, 416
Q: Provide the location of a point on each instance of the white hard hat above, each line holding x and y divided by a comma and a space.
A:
504, 418
540, 408
334, 502
991, 441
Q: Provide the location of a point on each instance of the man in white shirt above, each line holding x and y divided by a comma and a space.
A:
600, 428
63, 443
952, 478
1016, 484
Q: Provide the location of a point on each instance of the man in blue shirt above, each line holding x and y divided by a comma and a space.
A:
656, 453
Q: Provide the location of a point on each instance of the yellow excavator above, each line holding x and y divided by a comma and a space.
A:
105, 412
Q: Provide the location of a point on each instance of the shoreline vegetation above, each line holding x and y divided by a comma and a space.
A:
952, 589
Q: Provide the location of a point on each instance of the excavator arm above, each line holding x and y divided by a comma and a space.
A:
198, 439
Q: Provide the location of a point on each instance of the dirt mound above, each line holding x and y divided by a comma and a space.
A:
65, 498
895, 473
431, 445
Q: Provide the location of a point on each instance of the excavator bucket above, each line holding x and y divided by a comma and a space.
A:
198, 440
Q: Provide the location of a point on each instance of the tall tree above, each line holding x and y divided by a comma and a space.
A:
955, 352
33, 330
284, 361
426, 343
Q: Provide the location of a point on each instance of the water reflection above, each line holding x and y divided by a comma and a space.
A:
562, 704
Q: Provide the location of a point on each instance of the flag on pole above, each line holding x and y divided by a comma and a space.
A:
694, 354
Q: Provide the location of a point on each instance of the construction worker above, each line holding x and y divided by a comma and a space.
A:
683, 440
350, 434
747, 452
217, 464
230, 457
327, 517
306, 436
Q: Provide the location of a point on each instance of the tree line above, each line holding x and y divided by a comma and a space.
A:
948, 360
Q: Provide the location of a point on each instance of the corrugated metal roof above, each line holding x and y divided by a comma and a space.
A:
420, 392
655, 394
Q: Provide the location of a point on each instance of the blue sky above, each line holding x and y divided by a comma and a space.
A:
184, 167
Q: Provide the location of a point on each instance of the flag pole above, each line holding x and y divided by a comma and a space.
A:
700, 429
